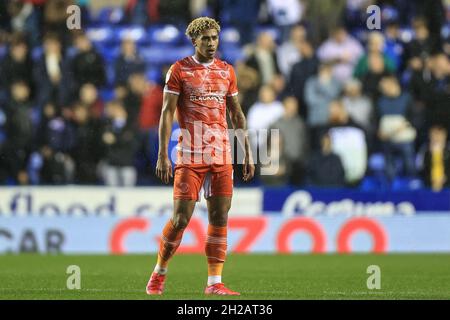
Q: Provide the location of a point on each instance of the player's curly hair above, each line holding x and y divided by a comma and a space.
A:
197, 26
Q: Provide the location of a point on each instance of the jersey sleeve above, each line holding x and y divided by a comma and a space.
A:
232, 89
173, 80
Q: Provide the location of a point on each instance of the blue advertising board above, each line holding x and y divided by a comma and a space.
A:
353, 202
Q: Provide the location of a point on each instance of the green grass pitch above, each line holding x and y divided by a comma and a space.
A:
300, 276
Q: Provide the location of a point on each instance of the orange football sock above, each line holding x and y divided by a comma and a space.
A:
216, 251
170, 241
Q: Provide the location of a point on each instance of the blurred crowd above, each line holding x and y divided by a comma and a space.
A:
354, 107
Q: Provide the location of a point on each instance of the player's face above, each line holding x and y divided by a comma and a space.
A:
206, 44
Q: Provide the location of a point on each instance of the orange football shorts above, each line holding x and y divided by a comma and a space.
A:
214, 179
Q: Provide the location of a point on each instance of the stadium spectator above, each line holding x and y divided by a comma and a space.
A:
55, 140
343, 51
289, 52
86, 152
275, 163
358, 105
371, 79
435, 159
264, 58
325, 167
248, 85
323, 17
89, 98
87, 66
55, 17
151, 105
438, 85
320, 90
16, 66
19, 131
265, 111
118, 139
143, 101
375, 47
394, 46
128, 62
294, 139
261, 115
285, 14
23, 18
300, 72
142, 12
395, 130
348, 142
422, 45
49, 72
436, 16
431, 87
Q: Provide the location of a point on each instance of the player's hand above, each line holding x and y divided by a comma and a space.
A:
164, 169
248, 169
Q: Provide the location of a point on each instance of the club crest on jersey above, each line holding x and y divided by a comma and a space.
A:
223, 74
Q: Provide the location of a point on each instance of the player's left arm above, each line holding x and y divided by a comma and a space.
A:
240, 126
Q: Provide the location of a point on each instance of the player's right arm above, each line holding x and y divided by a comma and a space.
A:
172, 91
164, 165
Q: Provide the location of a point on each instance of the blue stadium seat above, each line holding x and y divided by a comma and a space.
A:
377, 162
106, 94
100, 34
109, 15
229, 36
374, 183
406, 184
232, 54
164, 35
153, 74
137, 33
108, 52
157, 55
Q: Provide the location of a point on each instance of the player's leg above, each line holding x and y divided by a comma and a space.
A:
169, 243
216, 241
173, 233
187, 184
220, 190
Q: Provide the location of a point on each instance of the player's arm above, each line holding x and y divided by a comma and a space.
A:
164, 165
240, 126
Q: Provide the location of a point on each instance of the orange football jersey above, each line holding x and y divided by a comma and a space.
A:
201, 111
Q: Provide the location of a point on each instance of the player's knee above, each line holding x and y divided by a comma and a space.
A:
219, 217
180, 221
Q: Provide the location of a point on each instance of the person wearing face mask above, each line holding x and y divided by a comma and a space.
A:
118, 139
